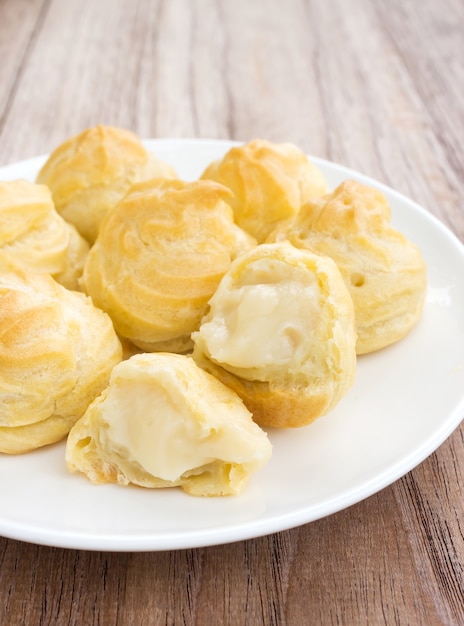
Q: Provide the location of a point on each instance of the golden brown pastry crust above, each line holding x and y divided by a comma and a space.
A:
383, 271
34, 238
310, 379
56, 353
89, 173
269, 181
159, 257
164, 422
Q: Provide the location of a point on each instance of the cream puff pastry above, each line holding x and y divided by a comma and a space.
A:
159, 257
164, 422
269, 181
56, 353
383, 271
280, 332
33, 237
89, 173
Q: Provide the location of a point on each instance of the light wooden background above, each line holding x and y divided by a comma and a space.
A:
375, 85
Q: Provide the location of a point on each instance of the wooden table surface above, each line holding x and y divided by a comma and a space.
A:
377, 86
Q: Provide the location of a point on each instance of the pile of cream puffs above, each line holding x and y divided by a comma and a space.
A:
161, 325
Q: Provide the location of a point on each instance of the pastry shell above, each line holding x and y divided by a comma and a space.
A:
89, 173
159, 257
56, 354
269, 182
384, 272
35, 238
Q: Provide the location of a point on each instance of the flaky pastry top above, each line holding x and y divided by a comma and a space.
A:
269, 182
35, 238
89, 173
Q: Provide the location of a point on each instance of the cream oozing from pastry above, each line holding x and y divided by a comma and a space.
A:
149, 423
265, 321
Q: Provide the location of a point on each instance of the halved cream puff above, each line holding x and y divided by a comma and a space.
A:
164, 422
280, 332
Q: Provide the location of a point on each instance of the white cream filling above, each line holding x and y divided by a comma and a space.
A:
153, 425
267, 320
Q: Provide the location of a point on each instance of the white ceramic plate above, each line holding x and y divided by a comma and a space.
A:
406, 401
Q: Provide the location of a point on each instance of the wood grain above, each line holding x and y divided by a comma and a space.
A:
376, 86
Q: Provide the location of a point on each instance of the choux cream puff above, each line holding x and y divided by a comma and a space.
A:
280, 332
159, 257
89, 173
383, 271
164, 422
269, 181
33, 237
56, 353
